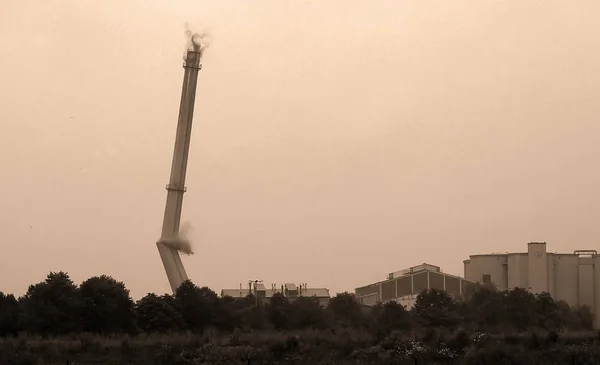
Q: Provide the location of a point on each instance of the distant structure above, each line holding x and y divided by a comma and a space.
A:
403, 286
571, 277
171, 242
289, 290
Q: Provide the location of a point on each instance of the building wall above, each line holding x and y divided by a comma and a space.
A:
466, 286
566, 278
572, 278
371, 293
409, 286
436, 280
388, 290
596, 307
516, 264
586, 282
453, 285
369, 300
420, 282
551, 274
524, 271
467, 264
408, 301
537, 267
404, 286
493, 265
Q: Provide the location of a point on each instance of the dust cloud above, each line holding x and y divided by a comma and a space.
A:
180, 242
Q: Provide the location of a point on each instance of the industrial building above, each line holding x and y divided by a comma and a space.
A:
571, 277
404, 286
289, 290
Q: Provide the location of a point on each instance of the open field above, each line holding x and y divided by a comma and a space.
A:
347, 346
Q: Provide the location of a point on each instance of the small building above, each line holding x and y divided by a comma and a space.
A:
404, 286
289, 290
571, 277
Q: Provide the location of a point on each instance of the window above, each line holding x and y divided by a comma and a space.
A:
487, 279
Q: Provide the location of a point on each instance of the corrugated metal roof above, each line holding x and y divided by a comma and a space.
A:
235, 293
315, 292
409, 275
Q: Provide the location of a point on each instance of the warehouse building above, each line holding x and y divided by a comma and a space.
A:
404, 286
571, 277
289, 290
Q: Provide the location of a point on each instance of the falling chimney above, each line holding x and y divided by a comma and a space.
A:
169, 253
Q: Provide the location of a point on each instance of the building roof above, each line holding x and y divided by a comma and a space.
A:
304, 292
575, 253
422, 269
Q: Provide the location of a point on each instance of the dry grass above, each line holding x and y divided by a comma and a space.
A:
307, 345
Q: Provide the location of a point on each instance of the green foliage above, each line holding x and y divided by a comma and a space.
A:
346, 310
307, 312
199, 307
436, 308
390, 317
158, 314
548, 315
278, 312
519, 309
52, 307
485, 308
107, 306
9, 315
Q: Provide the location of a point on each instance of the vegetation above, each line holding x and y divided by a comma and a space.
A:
57, 321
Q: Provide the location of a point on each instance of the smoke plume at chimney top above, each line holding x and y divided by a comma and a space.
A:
196, 41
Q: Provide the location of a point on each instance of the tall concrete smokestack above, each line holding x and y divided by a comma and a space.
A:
170, 242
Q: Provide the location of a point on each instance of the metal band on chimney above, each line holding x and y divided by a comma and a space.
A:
199, 67
170, 187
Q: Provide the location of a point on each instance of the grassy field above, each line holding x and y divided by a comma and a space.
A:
349, 346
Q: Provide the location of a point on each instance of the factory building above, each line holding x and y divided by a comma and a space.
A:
404, 286
289, 290
571, 277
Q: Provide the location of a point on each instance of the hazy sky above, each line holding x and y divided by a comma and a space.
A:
333, 141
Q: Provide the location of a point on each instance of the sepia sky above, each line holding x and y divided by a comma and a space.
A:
333, 141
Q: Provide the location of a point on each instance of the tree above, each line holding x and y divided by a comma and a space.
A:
108, 308
519, 308
199, 307
9, 314
484, 308
436, 308
251, 313
345, 309
585, 316
52, 307
548, 314
390, 317
102, 304
307, 312
158, 314
278, 311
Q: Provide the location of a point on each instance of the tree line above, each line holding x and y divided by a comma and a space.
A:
103, 305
